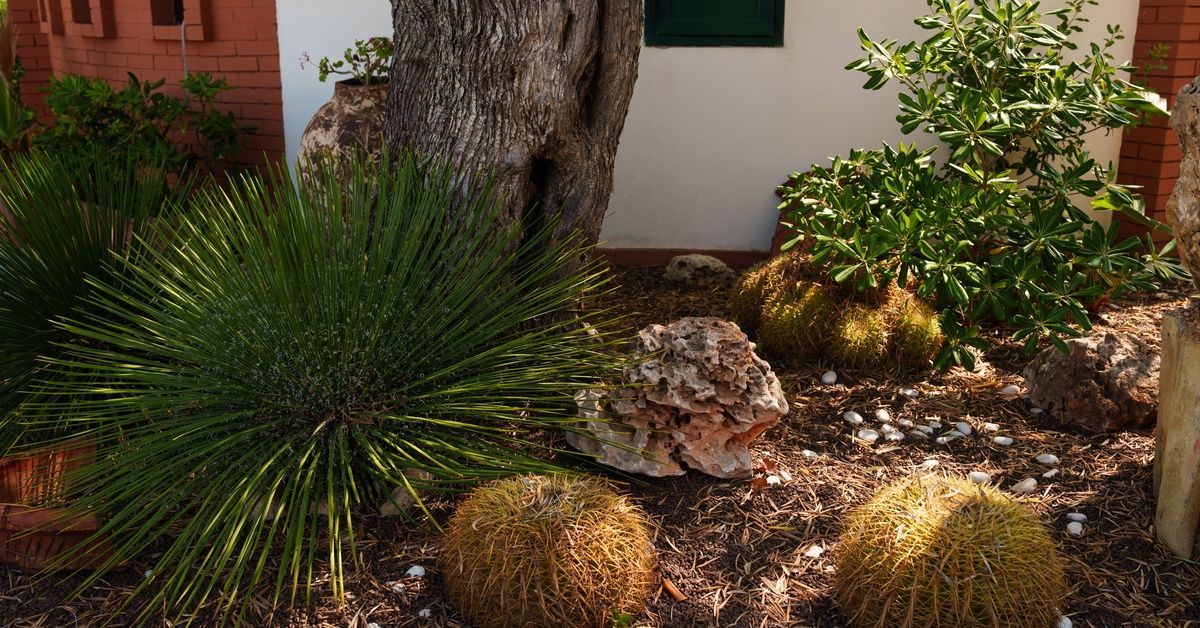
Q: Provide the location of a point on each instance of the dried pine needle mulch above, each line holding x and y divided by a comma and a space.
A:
745, 557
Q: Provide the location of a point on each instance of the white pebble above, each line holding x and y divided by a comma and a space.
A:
925, 429
911, 393
942, 440
396, 587
1047, 458
852, 417
773, 480
1036, 410
979, 477
810, 454
1003, 441
424, 613
963, 428
868, 435
416, 571
918, 434
1011, 390
149, 572
991, 427
829, 378
894, 437
883, 416
1024, 487
929, 463
935, 424
1065, 622
887, 428
1076, 516
815, 551
373, 625
1050, 474
1075, 528
905, 423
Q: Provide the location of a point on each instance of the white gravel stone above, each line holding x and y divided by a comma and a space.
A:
894, 437
424, 613
1024, 487
809, 454
1036, 410
911, 393
883, 416
979, 477
773, 480
1047, 458
868, 435
1050, 474
1065, 622
1076, 516
814, 551
396, 587
416, 571
963, 428
373, 625
1012, 390
942, 440
1003, 441
887, 428
935, 424
829, 378
925, 429
918, 434
1075, 528
906, 423
991, 427
929, 463
852, 417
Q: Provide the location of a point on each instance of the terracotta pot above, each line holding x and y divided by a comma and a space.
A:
351, 120
33, 531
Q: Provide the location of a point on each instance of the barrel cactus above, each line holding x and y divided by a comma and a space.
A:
941, 551
539, 550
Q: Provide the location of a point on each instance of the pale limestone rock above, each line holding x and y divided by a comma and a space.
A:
1183, 208
698, 399
701, 271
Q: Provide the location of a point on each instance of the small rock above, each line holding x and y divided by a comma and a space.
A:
416, 571
911, 393
1024, 487
814, 551
883, 416
373, 625
773, 480
925, 429
906, 423
887, 428
149, 572
1050, 474
829, 378
1065, 622
979, 477
929, 463
1047, 458
852, 417
894, 437
963, 428
1011, 390
1036, 410
918, 434
868, 435
935, 424
396, 587
809, 454
1162, 296
1076, 517
1075, 528
942, 440
424, 613
701, 271
991, 427
1003, 441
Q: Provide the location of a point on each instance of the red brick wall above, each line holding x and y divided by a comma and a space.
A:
1150, 154
33, 50
238, 42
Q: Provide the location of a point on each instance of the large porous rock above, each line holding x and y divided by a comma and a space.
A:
701, 271
698, 397
1183, 208
1106, 382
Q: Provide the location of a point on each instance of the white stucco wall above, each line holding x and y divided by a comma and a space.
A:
319, 28
711, 131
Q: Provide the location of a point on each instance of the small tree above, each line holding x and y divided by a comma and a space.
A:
995, 233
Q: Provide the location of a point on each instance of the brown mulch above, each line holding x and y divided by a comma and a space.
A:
740, 555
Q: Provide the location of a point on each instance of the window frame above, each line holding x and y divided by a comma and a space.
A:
656, 22
195, 11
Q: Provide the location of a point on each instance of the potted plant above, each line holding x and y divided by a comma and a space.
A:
353, 119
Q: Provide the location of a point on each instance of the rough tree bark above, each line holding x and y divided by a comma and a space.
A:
534, 93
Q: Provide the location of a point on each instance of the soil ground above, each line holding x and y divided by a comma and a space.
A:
739, 555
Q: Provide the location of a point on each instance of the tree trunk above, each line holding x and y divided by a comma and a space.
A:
533, 93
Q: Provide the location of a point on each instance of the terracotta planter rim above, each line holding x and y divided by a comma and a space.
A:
354, 84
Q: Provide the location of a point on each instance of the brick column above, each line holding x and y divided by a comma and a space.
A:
33, 51
1150, 154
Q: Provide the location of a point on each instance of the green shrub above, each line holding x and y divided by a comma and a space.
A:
303, 348
995, 234
142, 120
60, 234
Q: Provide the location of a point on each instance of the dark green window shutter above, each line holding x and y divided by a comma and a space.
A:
714, 22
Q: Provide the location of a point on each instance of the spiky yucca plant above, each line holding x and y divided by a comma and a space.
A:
63, 223
298, 351
942, 551
541, 550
